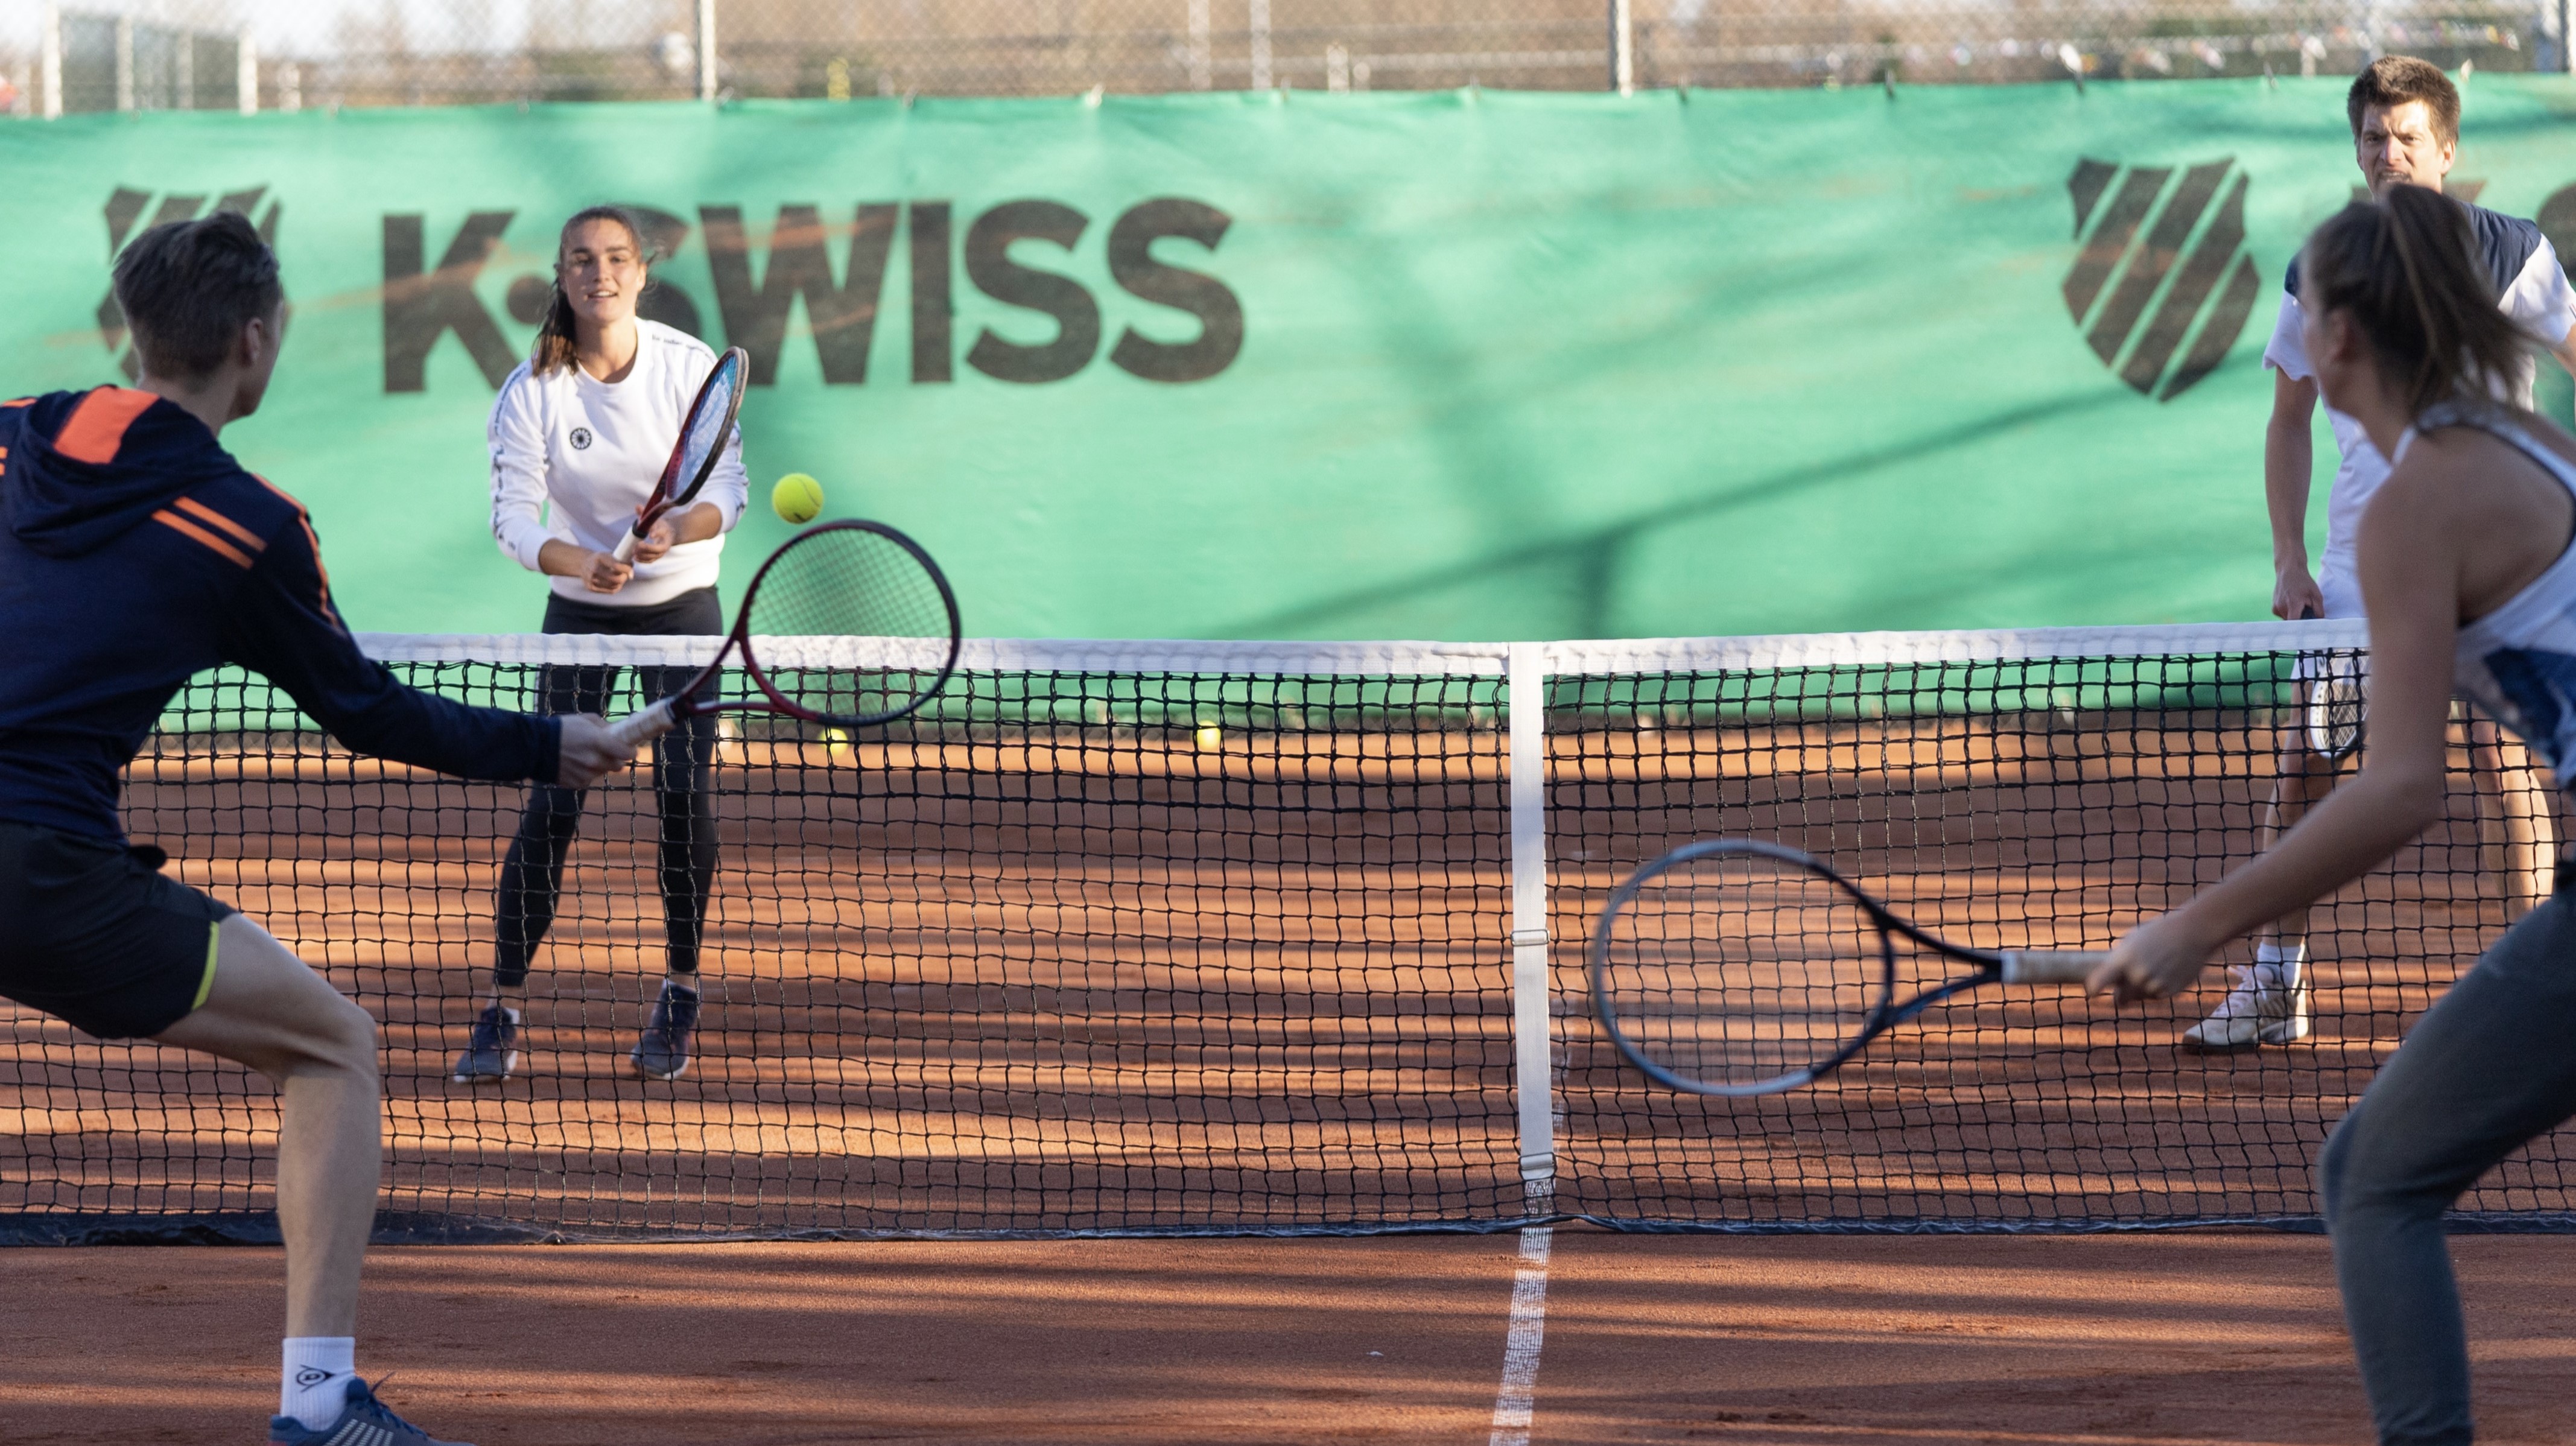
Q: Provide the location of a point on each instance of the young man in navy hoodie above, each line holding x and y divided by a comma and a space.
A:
135, 552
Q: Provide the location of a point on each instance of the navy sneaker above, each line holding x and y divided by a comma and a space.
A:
363, 1422
493, 1051
663, 1052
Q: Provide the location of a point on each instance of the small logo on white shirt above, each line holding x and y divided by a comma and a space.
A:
581, 439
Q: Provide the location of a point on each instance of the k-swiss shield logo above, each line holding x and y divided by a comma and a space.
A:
2162, 282
125, 211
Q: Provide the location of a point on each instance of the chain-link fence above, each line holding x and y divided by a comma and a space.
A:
101, 55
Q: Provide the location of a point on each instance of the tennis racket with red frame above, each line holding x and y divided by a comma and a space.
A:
703, 434
843, 579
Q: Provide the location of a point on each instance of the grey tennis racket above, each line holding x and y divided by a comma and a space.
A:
1736, 967
2333, 715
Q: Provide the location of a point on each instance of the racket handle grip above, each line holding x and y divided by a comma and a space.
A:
644, 725
2051, 966
624, 551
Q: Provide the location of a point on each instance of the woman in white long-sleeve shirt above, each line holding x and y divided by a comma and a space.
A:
579, 434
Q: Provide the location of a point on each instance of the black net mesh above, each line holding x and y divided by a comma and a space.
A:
1105, 945
1080, 952
2018, 803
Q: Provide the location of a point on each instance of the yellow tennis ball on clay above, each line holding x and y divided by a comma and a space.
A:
798, 498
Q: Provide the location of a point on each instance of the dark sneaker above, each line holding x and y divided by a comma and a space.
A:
363, 1422
493, 1051
663, 1052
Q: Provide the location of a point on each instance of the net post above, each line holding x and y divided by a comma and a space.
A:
1623, 48
125, 65
707, 50
49, 64
1533, 1080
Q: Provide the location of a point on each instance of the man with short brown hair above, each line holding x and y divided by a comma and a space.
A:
2405, 116
135, 552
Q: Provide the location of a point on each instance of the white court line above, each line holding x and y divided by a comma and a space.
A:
1520, 1349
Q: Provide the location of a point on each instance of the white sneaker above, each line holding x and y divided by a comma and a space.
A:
2258, 1010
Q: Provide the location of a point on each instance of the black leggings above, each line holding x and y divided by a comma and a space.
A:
683, 765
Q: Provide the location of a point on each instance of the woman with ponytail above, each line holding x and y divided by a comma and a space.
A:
2469, 582
579, 434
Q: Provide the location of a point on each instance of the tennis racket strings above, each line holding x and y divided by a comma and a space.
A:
856, 580
703, 435
1735, 969
2336, 696
711, 422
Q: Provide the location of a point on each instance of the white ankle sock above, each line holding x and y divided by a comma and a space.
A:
315, 1386
2277, 966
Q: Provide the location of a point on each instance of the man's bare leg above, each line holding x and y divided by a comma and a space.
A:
2303, 780
2268, 1003
2517, 826
269, 1011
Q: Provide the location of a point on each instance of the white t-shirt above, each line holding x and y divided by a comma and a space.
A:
2532, 289
573, 457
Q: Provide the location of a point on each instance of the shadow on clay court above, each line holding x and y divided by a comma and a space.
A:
2121, 1341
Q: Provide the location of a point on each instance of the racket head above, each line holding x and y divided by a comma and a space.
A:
703, 434
1736, 967
852, 579
2333, 713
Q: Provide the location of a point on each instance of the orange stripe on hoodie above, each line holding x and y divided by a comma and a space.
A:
312, 540
97, 425
205, 514
179, 524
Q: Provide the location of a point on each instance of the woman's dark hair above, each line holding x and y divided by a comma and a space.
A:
189, 287
555, 335
2405, 269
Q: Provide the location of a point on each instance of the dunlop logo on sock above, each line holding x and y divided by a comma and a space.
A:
2162, 282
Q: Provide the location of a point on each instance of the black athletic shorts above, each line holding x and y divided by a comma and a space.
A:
93, 935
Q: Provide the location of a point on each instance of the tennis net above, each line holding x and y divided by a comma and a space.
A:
1217, 937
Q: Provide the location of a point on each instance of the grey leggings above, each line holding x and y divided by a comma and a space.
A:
2490, 1066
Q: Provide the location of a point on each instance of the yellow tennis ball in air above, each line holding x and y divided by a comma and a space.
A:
1211, 737
798, 498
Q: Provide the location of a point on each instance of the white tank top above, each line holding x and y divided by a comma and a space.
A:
2519, 661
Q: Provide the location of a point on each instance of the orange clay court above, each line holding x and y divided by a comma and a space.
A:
1080, 965
2230, 1337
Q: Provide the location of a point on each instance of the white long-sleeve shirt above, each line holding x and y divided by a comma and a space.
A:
573, 457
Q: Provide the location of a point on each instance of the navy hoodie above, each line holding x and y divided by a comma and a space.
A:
136, 553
